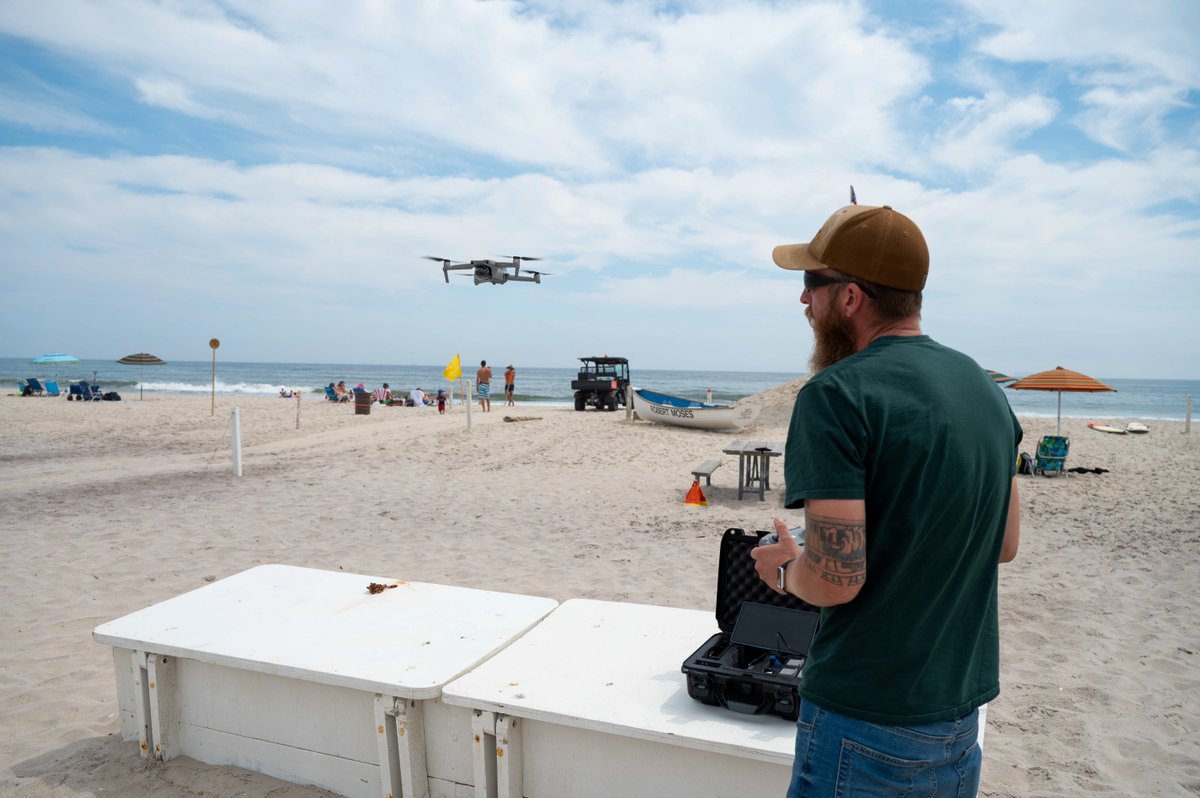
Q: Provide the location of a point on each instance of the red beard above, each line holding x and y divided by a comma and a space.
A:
834, 339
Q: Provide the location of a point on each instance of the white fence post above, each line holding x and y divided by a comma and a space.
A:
237, 443
468, 397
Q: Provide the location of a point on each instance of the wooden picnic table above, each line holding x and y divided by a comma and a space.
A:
754, 464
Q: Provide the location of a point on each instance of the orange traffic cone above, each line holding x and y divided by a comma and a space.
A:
695, 496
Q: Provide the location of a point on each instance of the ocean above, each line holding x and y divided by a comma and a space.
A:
1134, 398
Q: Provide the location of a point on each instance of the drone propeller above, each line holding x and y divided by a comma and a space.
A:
522, 257
439, 260
540, 274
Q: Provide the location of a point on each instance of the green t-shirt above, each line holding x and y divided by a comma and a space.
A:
927, 440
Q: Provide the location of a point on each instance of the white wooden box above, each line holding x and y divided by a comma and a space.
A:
591, 703
304, 675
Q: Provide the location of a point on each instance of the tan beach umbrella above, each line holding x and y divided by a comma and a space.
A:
142, 359
1058, 380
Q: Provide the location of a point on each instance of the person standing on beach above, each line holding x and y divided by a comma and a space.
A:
902, 453
483, 379
510, 376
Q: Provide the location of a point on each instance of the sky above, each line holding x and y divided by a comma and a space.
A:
271, 174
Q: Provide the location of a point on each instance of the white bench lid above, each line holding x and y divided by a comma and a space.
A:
324, 626
615, 667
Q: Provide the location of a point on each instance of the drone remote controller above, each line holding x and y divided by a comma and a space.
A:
773, 537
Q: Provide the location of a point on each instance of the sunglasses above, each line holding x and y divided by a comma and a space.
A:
813, 281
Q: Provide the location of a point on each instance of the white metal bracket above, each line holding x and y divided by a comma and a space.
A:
141, 702
496, 753
400, 731
154, 698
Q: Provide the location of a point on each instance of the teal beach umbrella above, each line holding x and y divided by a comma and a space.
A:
57, 359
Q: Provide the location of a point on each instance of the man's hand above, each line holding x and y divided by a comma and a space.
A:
767, 559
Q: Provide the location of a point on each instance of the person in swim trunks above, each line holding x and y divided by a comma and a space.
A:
510, 376
483, 379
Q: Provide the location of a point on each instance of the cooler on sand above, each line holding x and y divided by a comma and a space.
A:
753, 665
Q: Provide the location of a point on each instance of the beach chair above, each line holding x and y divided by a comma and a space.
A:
1051, 455
332, 396
89, 393
52, 388
74, 392
35, 386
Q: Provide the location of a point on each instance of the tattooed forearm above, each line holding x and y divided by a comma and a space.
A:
836, 550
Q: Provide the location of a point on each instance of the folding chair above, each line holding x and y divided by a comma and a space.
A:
1051, 455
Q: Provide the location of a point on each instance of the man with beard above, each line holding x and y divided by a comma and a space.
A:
902, 453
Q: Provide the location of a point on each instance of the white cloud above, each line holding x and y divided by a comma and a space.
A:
652, 154
489, 78
171, 95
987, 129
1160, 38
1134, 65
47, 111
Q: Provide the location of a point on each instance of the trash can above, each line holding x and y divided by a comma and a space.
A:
362, 404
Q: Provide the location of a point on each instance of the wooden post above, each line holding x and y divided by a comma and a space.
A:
469, 403
297, 395
213, 344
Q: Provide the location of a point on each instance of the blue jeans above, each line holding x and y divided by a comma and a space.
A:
840, 757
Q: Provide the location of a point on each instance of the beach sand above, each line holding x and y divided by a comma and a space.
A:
110, 507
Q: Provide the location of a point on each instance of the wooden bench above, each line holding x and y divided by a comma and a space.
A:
307, 676
554, 723
706, 470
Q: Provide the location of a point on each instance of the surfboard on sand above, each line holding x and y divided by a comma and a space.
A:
1137, 427
1105, 428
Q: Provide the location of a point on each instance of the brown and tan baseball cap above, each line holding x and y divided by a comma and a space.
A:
873, 243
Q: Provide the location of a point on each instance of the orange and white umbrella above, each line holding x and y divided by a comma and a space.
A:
1058, 380
999, 377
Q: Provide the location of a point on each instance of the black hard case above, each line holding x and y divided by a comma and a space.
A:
737, 674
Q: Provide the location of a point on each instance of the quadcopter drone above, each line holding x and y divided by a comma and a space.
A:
491, 271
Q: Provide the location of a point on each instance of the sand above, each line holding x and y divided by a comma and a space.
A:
111, 507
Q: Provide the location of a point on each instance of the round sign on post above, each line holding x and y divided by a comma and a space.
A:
214, 343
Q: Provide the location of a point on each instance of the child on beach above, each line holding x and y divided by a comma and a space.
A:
441, 402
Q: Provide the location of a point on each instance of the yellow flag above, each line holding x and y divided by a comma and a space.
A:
454, 370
